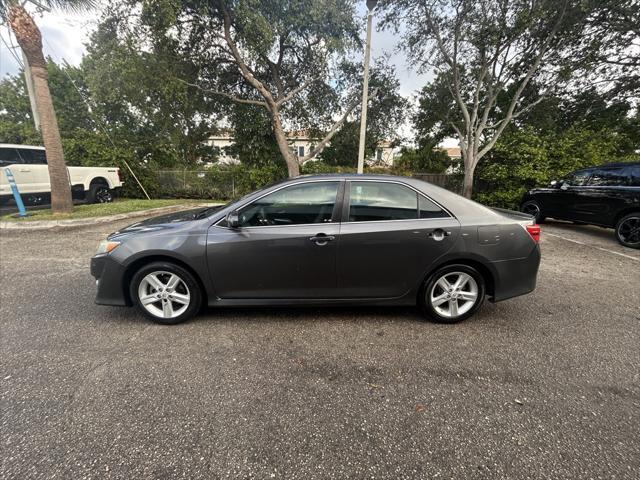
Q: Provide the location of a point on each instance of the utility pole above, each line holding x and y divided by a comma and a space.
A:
371, 4
27, 73
32, 99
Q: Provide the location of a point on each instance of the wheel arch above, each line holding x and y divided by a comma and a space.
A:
486, 272
624, 212
138, 263
99, 181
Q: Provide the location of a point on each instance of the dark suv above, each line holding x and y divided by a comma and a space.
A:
608, 195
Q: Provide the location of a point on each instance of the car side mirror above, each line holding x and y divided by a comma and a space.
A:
564, 186
233, 220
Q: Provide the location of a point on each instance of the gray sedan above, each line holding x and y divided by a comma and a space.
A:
323, 240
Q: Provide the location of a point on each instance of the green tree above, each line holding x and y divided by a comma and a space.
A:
29, 38
133, 64
279, 56
525, 158
386, 114
480, 49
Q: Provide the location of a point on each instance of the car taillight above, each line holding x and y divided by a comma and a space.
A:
119, 175
534, 231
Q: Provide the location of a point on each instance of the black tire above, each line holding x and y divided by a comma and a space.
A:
430, 289
188, 288
532, 207
628, 230
99, 193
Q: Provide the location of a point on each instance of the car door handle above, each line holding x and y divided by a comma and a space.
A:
322, 239
438, 234
24, 170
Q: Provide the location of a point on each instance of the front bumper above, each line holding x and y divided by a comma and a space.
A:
516, 277
110, 281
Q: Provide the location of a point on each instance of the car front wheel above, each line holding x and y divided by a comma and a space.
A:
628, 230
166, 293
452, 294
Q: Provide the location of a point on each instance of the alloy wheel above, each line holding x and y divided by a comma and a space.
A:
531, 209
164, 294
453, 294
629, 231
103, 195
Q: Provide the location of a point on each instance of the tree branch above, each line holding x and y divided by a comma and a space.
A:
225, 94
295, 91
334, 129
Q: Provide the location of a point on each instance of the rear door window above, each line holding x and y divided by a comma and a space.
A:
8, 156
25, 155
429, 209
39, 157
608, 177
385, 201
381, 201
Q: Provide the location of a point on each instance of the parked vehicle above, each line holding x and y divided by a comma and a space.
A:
608, 196
29, 167
323, 240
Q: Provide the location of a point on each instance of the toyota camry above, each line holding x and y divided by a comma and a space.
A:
323, 240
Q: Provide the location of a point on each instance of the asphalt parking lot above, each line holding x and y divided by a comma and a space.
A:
542, 386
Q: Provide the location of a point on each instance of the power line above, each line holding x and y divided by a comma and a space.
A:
97, 124
11, 49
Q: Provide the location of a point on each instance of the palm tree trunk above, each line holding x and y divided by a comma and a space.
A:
30, 40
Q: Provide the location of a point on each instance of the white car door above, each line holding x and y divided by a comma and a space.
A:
22, 172
35, 169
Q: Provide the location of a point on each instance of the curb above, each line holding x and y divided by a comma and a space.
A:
80, 222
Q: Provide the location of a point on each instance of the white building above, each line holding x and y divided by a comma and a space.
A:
301, 144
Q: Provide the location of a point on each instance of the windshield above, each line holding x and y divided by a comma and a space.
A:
214, 208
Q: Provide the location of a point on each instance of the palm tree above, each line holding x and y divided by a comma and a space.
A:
29, 38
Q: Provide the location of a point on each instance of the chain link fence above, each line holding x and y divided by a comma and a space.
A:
205, 184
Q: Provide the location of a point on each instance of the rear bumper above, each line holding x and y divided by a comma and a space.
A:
110, 276
516, 277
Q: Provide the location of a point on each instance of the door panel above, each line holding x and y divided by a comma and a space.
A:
273, 261
21, 170
283, 247
40, 170
601, 198
387, 259
391, 236
565, 202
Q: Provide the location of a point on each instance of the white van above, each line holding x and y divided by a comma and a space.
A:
28, 164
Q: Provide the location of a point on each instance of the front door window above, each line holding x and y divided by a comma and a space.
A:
307, 203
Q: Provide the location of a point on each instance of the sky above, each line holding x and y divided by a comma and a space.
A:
65, 35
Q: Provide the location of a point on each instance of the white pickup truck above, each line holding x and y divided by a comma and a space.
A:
28, 165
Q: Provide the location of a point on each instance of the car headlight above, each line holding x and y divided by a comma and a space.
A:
106, 246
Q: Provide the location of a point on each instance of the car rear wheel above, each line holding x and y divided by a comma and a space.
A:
166, 293
452, 294
100, 193
532, 207
628, 230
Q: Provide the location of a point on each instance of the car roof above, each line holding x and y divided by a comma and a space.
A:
619, 164
13, 145
609, 165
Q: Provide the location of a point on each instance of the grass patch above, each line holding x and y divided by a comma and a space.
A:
101, 209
